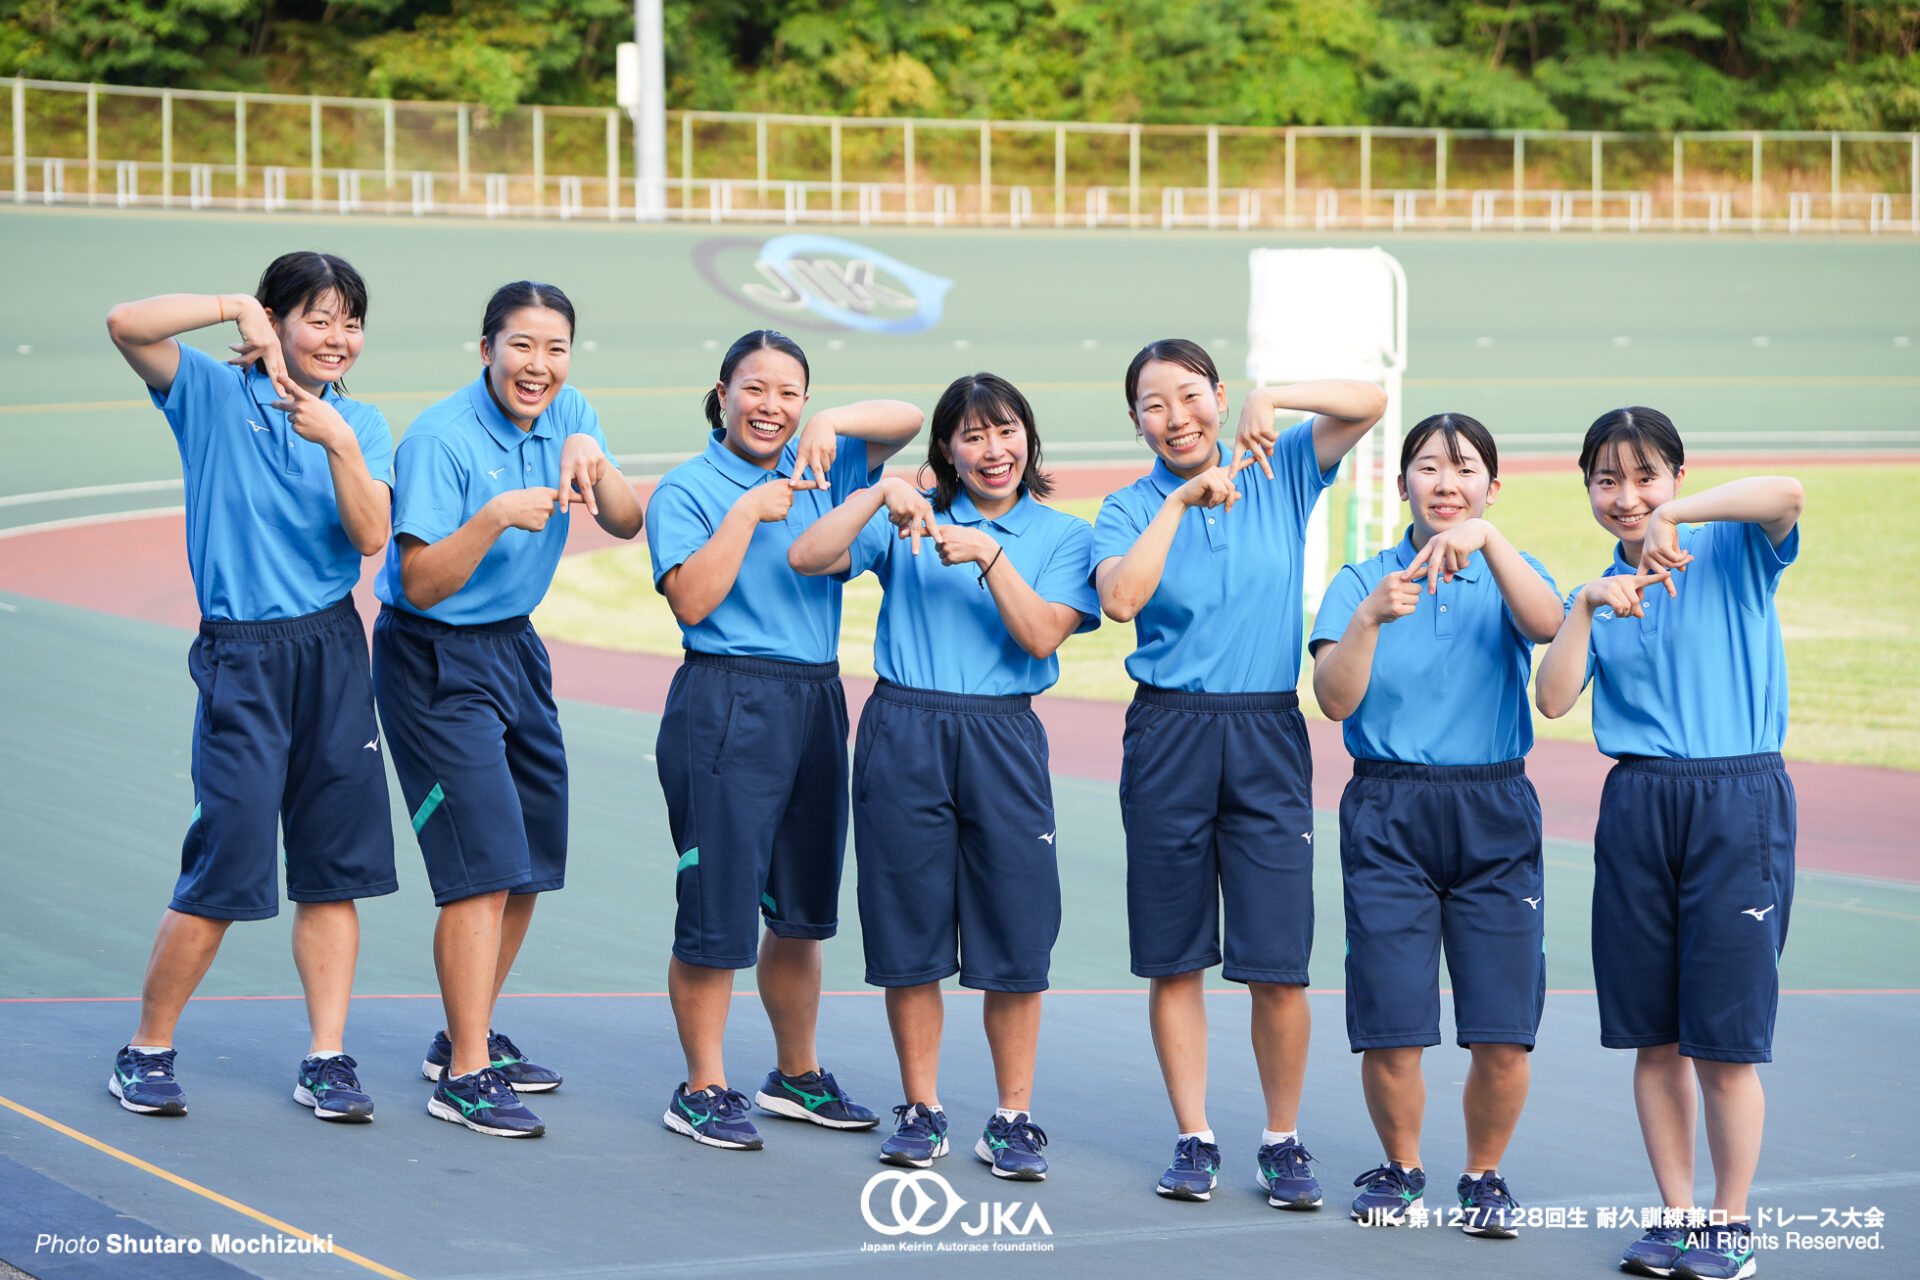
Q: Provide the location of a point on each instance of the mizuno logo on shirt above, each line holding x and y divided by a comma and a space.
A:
256, 426
495, 472
1759, 913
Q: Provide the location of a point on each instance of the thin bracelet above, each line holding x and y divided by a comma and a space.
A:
220, 301
982, 584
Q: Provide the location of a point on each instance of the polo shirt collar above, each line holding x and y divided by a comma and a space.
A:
1166, 481
1015, 520
1406, 551
498, 425
738, 469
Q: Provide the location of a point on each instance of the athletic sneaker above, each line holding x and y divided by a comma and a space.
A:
1487, 1208
485, 1103
713, 1117
1719, 1253
1655, 1253
1389, 1192
1284, 1176
1194, 1172
144, 1083
1012, 1147
919, 1137
816, 1097
330, 1087
502, 1055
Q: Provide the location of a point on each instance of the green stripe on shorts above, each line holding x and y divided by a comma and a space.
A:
427, 806
691, 858
766, 900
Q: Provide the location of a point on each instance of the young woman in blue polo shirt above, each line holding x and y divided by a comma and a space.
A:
1204, 556
1693, 851
753, 742
286, 487
483, 483
1424, 651
952, 804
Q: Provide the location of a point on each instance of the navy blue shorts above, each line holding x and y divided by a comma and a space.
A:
953, 836
1442, 854
1692, 887
753, 760
1216, 791
284, 738
476, 741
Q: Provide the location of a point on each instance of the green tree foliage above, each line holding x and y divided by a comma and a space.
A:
1622, 64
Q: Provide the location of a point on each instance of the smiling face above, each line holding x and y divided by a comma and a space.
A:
527, 362
319, 341
762, 404
990, 458
1178, 414
1444, 492
1625, 487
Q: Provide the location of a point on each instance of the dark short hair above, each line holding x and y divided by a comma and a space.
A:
1451, 426
509, 298
293, 280
987, 398
1181, 351
1645, 431
744, 346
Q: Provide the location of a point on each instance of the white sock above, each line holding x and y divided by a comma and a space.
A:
1205, 1135
331, 1053
1269, 1138
1011, 1116
151, 1048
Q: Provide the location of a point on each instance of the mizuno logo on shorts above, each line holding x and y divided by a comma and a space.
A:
1048, 837
1532, 902
1759, 913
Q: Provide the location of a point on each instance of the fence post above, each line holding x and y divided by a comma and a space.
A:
1519, 181
910, 173
1366, 174
1290, 174
93, 143
313, 152
686, 163
1913, 181
386, 124
461, 126
1679, 176
613, 164
1833, 205
834, 149
19, 140
239, 149
539, 161
1598, 185
1133, 176
1059, 175
1213, 176
1440, 172
760, 157
166, 148
986, 170
1753, 214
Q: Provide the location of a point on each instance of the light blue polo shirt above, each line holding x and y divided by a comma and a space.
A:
1704, 674
1226, 616
772, 612
264, 538
456, 457
939, 627
1449, 682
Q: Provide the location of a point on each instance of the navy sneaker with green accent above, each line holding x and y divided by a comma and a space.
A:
145, 1085
485, 1103
1487, 1208
502, 1055
331, 1088
1284, 1176
1012, 1147
1194, 1172
1656, 1252
919, 1136
1388, 1193
815, 1097
1719, 1253
714, 1117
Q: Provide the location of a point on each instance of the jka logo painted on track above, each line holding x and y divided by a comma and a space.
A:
823, 282
923, 1203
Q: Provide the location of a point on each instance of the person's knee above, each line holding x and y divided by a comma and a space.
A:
1721, 1078
1500, 1059
1399, 1062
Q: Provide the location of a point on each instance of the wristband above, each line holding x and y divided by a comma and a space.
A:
982, 584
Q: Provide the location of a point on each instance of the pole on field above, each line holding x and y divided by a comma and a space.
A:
1439, 170
1060, 175
239, 149
986, 170
1133, 176
1290, 176
1833, 205
613, 166
1913, 180
1366, 173
642, 93
386, 148
1679, 175
19, 140
1519, 181
313, 150
1594, 210
93, 143
166, 148
1753, 218
1213, 175
461, 129
910, 174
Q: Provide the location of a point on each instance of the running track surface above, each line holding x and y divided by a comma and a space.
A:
1854, 820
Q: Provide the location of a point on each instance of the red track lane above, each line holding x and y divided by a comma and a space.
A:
1853, 819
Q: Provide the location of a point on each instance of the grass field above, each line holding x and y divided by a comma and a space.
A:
1851, 645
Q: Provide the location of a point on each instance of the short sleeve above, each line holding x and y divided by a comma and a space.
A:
1115, 530
429, 492
1297, 466
1566, 607
850, 470
189, 401
376, 443
1063, 578
676, 528
871, 547
1750, 564
1546, 577
1343, 596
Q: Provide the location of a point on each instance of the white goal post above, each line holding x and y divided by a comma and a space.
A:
1336, 313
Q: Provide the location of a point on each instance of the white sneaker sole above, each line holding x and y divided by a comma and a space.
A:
453, 1115
797, 1111
985, 1152
1278, 1203
680, 1126
907, 1162
1175, 1193
304, 1096
113, 1087
430, 1073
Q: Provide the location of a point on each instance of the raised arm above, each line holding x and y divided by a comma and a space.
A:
1530, 598
1563, 672
825, 546
144, 332
1037, 624
589, 477
1127, 582
886, 426
432, 571
1772, 502
1343, 410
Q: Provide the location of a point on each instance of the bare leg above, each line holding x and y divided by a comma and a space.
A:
701, 998
790, 992
466, 954
1736, 1115
1282, 1023
1012, 1021
326, 946
1396, 1092
1496, 1091
183, 951
1663, 1095
515, 918
917, 1016
1177, 1014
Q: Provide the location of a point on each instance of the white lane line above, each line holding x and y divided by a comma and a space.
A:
89, 491
47, 526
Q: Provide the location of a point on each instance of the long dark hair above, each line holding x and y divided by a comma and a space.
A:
1451, 427
984, 398
293, 280
1640, 429
1187, 354
509, 298
744, 346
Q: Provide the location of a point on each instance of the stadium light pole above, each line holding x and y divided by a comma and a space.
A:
641, 90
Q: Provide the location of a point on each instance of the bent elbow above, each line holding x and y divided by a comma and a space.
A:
117, 323
1796, 499
370, 546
